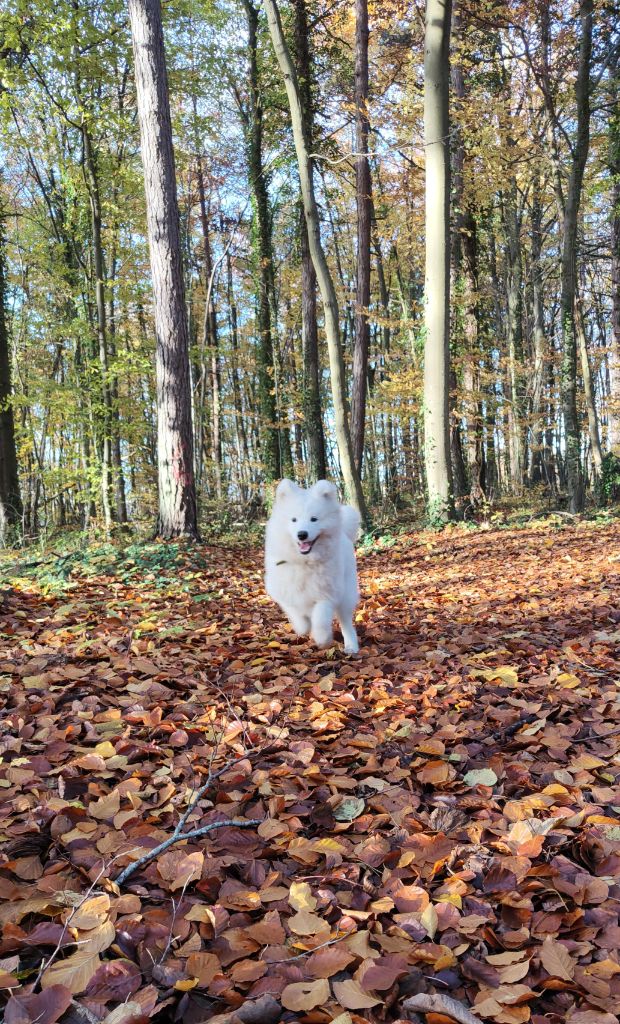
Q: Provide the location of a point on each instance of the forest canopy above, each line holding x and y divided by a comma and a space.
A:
533, 150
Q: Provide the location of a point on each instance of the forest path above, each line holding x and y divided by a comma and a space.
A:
447, 796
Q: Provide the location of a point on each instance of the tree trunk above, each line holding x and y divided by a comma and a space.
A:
263, 259
324, 278
311, 394
540, 345
437, 285
514, 334
613, 430
588, 389
10, 497
177, 493
92, 182
574, 476
210, 342
364, 211
311, 390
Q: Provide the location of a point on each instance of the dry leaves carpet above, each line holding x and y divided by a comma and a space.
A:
439, 816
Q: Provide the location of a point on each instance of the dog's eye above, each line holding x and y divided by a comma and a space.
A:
293, 520
313, 519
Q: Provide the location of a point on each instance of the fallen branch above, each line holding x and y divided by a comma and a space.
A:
440, 1004
178, 837
179, 834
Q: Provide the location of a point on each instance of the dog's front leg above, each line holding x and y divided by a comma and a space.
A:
299, 622
351, 643
322, 618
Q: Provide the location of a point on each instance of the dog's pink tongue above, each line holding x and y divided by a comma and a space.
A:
305, 546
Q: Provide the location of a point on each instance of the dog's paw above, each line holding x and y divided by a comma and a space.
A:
351, 648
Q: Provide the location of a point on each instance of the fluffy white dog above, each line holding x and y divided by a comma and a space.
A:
310, 566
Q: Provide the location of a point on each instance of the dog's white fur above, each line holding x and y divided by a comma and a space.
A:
313, 578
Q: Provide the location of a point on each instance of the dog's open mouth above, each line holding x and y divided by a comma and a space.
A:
305, 546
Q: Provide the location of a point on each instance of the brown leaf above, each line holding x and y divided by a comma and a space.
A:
203, 966
43, 1008
327, 962
440, 1003
556, 959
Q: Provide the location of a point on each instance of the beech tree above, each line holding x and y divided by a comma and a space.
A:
10, 497
437, 286
325, 281
177, 493
364, 208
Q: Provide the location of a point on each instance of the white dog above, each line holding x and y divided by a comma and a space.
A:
310, 566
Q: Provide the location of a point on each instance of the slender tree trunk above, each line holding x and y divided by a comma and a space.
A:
437, 287
10, 497
364, 213
613, 429
102, 340
574, 476
311, 391
465, 263
588, 389
539, 341
120, 497
177, 493
210, 341
234, 344
514, 335
324, 278
263, 259
311, 394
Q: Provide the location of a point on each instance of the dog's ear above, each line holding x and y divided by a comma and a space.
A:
326, 489
285, 488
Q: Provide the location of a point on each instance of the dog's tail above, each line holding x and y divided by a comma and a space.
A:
350, 521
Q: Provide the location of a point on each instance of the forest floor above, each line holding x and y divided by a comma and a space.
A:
439, 831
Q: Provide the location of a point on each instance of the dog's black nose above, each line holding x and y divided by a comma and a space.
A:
302, 535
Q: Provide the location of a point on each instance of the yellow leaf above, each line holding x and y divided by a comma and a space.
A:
306, 923
74, 973
105, 749
429, 920
568, 681
300, 897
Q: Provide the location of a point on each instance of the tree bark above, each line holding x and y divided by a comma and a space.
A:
568, 380
437, 284
326, 285
177, 493
364, 215
10, 497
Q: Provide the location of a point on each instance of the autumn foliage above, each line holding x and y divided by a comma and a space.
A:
439, 831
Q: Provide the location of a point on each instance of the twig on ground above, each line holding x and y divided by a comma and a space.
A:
45, 965
178, 837
308, 952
